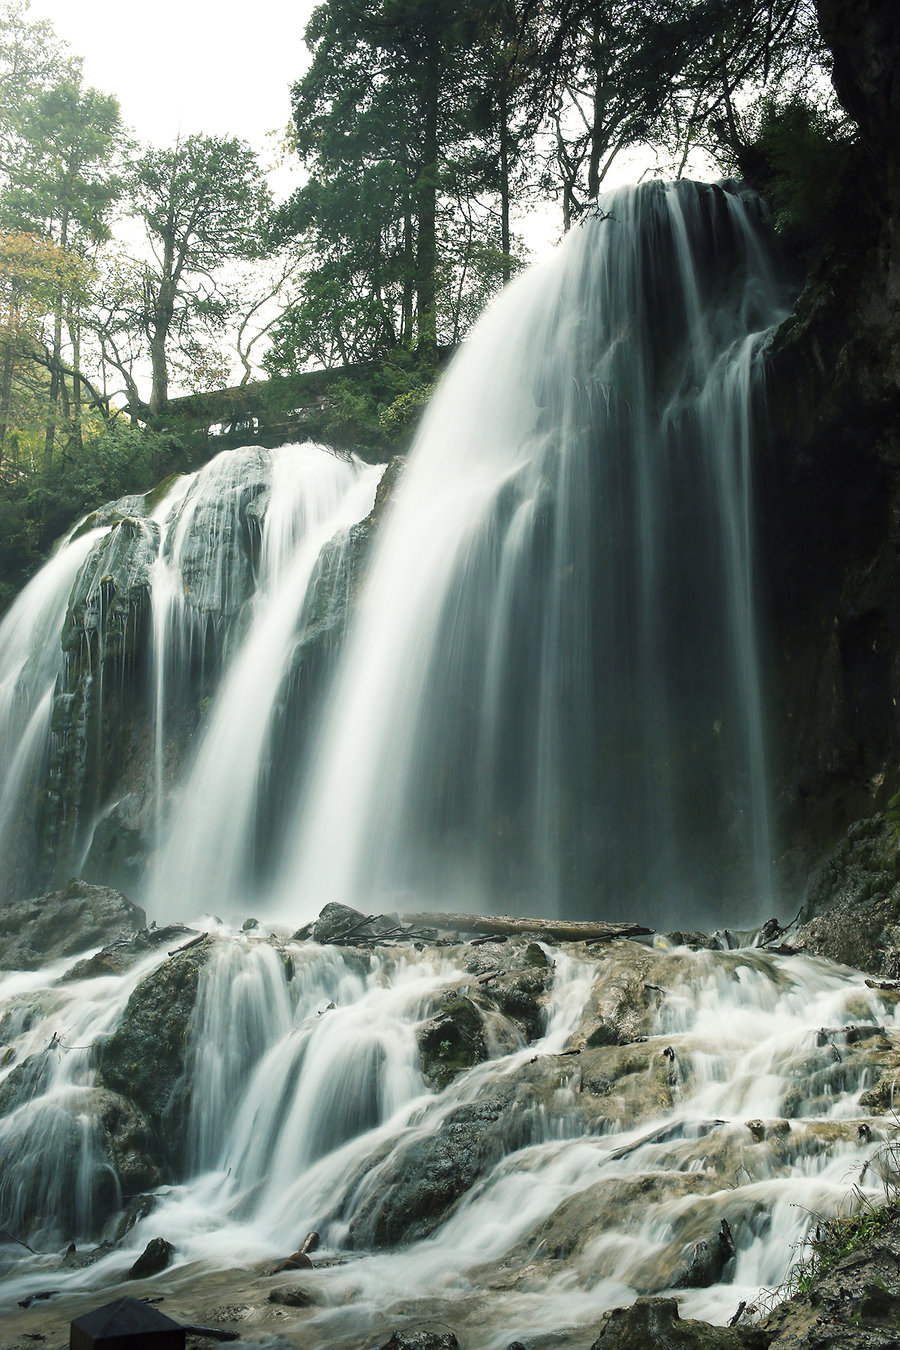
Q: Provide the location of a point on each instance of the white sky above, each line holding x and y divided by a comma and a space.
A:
184, 66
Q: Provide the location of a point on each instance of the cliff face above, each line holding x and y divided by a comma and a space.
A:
830, 478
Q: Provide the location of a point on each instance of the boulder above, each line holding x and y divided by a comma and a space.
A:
67, 1156
655, 1324
64, 923
155, 1257
118, 957
421, 1340
708, 1260
411, 1196
290, 1296
452, 1041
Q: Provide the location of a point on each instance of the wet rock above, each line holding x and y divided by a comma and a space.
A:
138, 1208
129, 1142
522, 996
655, 1324
452, 1041
622, 1002
708, 1260
156, 1256
64, 923
146, 1057
298, 1260
66, 1158
290, 1296
412, 1195
852, 902
341, 921
421, 1340
26, 1081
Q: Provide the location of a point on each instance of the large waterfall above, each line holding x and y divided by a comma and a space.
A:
549, 696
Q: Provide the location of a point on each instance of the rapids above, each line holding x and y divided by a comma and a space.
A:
537, 1189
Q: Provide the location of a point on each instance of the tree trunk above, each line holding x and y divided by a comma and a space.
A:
74, 327
406, 313
426, 195
161, 313
505, 238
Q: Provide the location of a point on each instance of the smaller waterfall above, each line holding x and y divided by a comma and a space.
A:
116, 652
220, 844
31, 661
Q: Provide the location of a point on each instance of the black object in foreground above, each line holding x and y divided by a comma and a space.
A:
127, 1324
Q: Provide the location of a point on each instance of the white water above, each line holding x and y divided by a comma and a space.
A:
227, 558
209, 856
309, 1109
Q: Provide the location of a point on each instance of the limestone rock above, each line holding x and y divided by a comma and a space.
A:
452, 1041
119, 956
421, 1340
155, 1257
708, 1260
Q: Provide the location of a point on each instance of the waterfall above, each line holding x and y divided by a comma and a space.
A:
550, 700
31, 661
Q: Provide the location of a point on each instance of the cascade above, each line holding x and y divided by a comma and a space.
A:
611, 1110
548, 699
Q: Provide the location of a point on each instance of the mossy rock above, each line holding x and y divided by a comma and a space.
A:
452, 1041
147, 1056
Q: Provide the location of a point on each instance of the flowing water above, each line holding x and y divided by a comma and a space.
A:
536, 1190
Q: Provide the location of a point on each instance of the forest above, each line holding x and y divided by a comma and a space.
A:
427, 134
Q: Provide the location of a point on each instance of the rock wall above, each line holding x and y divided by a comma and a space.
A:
829, 485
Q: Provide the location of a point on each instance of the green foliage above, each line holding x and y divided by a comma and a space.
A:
799, 159
830, 1240
36, 508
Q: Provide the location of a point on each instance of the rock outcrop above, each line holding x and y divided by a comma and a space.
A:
146, 1057
64, 923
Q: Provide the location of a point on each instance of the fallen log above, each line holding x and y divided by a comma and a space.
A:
506, 925
211, 1333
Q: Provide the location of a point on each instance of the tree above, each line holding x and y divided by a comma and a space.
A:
64, 187
392, 122
202, 203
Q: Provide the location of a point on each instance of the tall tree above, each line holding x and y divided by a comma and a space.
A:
390, 124
64, 188
203, 202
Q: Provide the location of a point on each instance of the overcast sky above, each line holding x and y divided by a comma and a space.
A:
183, 66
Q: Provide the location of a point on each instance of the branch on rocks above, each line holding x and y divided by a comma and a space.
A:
505, 925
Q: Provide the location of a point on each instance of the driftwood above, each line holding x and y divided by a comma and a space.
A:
505, 925
663, 1136
186, 946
